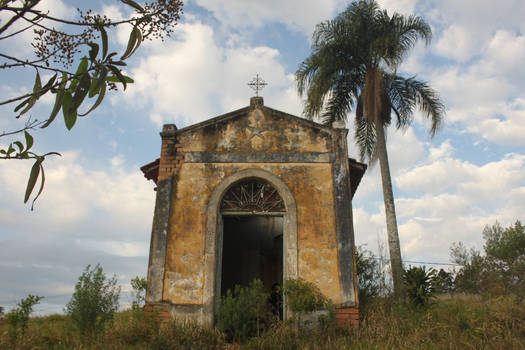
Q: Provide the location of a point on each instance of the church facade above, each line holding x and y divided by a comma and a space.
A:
255, 193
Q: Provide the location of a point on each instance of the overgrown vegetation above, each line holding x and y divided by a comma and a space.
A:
463, 323
94, 301
241, 312
490, 316
18, 318
499, 269
421, 285
304, 298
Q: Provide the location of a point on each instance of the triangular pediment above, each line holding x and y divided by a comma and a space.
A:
257, 128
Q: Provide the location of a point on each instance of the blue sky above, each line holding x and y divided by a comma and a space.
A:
97, 207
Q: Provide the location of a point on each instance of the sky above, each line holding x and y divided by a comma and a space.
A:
97, 207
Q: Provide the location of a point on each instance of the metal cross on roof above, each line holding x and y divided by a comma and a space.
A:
257, 84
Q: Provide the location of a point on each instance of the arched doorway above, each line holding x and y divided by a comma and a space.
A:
234, 208
252, 246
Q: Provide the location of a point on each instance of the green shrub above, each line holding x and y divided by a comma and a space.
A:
18, 318
421, 285
94, 301
240, 313
499, 269
139, 285
303, 298
371, 279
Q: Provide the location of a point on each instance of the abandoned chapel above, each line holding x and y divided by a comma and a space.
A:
254, 193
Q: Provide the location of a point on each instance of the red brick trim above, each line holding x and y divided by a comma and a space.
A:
348, 316
161, 311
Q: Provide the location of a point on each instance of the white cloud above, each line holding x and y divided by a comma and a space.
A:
449, 200
84, 216
457, 42
192, 78
74, 194
405, 7
298, 15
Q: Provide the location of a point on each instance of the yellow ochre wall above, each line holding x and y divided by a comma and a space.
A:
311, 184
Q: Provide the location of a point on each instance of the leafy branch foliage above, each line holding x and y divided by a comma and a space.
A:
84, 42
95, 300
18, 318
421, 285
139, 285
240, 311
499, 269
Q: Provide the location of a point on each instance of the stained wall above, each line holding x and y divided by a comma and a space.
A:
200, 157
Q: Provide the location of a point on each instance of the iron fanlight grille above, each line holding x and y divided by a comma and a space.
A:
252, 196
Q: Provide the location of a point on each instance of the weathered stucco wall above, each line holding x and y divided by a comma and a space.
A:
310, 184
304, 160
265, 130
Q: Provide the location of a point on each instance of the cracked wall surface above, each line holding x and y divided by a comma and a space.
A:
305, 156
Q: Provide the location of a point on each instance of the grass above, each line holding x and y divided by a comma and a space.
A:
466, 323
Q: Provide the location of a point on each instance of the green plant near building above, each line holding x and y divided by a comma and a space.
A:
303, 298
95, 300
421, 285
241, 312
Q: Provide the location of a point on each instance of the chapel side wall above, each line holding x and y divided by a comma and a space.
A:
312, 188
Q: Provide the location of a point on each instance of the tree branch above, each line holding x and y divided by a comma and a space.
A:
23, 11
24, 63
17, 32
30, 124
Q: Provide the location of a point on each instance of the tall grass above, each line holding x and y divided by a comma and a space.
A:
454, 323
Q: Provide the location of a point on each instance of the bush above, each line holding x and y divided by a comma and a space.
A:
139, 285
240, 313
421, 285
303, 298
500, 270
94, 301
18, 318
371, 280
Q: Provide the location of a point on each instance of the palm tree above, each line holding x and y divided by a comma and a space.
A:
353, 66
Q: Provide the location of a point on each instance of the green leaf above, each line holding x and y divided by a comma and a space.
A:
29, 140
110, 55
97, 83
22, 104
93, 52
33, 176
32, 100
119, 63
70, 116
41, 185
83, 66
101, 94
135, 38
58, 101
114, 79
133, 4
104, 37
118, 75
131, 44
19, 145
48, 85
81, 91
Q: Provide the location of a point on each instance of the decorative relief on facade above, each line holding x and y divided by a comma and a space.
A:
256, 129
252, 196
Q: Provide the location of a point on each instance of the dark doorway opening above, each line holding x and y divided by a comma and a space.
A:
252, 248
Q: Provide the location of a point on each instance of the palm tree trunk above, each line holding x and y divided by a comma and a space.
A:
390, 211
